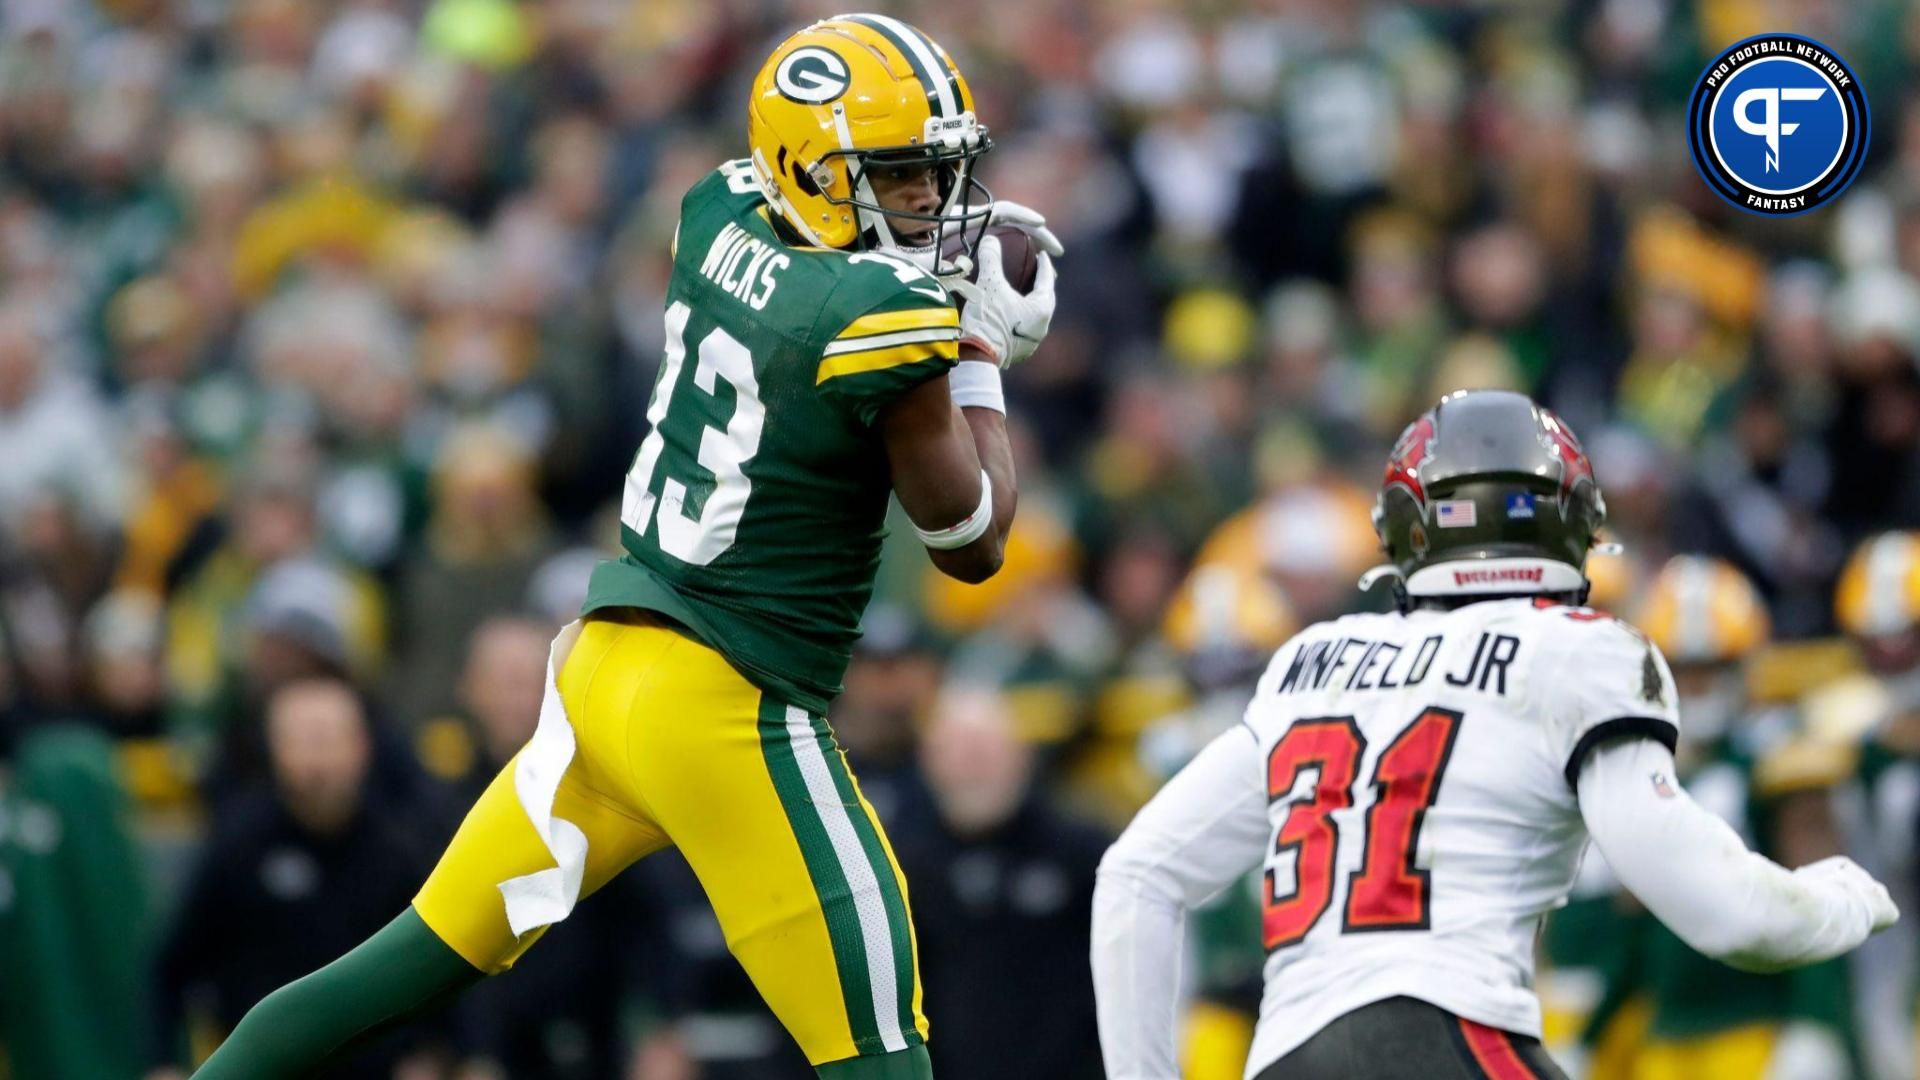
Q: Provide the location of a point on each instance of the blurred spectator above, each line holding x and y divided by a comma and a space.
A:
74, 919
126, 671
54, 563
295, 875
1873, 438
1307, 372
176, 495
1036, 633
485, 539
893, 680
500, 688
1002, 903
558, 588
1224, 624
1400, 321
1756, 496
302, 618
1499, 275
54, 434
270, 519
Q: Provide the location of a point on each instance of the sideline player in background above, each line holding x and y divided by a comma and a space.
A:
1669, 1012
814, 365
1420, 786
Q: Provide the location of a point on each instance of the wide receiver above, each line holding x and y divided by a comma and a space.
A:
814, 364
1420, 785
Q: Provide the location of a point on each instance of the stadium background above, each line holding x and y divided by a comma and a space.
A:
326, 330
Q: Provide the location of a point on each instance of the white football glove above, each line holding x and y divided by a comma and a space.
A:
1867, 899
1027, 220
998, 319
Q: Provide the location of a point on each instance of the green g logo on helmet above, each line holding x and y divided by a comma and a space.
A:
812, 75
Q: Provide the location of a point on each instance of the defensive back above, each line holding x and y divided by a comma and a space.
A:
1420, 774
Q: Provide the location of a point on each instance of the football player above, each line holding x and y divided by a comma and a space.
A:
815, 365
1748, 763
1419, 786
1877, 604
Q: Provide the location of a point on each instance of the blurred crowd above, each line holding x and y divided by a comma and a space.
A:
326, 334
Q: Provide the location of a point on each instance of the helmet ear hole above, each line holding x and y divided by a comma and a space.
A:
801, 178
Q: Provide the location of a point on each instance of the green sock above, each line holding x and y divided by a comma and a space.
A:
909, 1064
393, 975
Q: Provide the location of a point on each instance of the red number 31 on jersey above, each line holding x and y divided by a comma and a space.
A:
1388, 892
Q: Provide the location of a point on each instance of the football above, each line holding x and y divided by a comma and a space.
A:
1019, 255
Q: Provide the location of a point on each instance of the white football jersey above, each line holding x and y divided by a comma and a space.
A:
1418, 772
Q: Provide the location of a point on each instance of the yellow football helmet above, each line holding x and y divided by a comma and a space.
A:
1703, 611
1879, 591
1613, 579
854, 92
1224, 607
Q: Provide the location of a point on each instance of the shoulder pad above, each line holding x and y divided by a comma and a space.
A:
875, 275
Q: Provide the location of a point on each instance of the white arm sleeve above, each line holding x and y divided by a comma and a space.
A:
1204, 830
1693, 872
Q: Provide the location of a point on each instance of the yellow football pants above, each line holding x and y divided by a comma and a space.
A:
1735, 1054
673, 746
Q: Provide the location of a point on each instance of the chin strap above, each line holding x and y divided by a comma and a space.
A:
1387, 571
960, 266
927, 257
1372, 577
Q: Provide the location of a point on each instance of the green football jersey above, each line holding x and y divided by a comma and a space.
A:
754, 510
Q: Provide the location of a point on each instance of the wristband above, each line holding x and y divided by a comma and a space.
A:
975, 384
969, 529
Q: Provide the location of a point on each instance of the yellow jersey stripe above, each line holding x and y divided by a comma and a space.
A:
860, 363
886, 322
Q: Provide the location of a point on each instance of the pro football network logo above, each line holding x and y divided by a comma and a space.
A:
1778, 125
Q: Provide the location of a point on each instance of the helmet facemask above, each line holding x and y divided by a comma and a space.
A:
950, 148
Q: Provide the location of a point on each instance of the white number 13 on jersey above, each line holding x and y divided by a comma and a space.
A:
724, 453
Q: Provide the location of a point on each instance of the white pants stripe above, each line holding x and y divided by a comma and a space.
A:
882, 974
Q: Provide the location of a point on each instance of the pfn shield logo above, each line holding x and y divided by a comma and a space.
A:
1778, 125
811, 75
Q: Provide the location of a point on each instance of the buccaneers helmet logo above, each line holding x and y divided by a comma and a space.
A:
1574, 464
1403, 464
